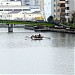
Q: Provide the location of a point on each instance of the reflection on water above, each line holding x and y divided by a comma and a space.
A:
21, 55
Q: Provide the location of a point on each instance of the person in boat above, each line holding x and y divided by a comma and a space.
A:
36, 36
39, 36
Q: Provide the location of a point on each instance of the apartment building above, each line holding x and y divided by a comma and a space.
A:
63, 9
59, 9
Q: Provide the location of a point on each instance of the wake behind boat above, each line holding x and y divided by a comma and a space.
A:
36, 37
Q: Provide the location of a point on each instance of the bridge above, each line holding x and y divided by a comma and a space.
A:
11, 23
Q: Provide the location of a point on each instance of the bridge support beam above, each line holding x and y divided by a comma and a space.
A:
10, 27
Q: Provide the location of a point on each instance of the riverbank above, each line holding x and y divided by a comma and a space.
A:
49, 29
55, 30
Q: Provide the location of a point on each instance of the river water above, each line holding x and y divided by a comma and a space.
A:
21, 55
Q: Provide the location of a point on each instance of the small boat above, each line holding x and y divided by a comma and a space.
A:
36, 37
33, 38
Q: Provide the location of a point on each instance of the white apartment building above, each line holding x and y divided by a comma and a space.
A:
70, 8
59, 10
63, 9
13, 9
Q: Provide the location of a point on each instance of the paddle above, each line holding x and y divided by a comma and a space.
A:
27, 37
47, 37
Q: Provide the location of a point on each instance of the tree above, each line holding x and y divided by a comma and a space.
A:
50, 19
73, 17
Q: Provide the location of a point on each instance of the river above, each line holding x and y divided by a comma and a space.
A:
21, 55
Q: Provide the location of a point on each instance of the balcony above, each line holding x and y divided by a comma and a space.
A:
61, 5
62, 10
61, 2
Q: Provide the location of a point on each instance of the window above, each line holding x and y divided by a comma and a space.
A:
58, 10
54, 5
27, 4
67, 14
62, 10
67, 8
54, 10
27, 0
62, 5
17, 9
7, 9
26, 9
1, 9
67, 2
7, 3
54, 16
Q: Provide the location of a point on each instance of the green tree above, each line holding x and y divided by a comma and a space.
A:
50, 19
73, 17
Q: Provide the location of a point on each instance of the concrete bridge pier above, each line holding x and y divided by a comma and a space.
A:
10, 27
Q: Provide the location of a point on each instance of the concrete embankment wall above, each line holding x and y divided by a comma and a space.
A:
55, 30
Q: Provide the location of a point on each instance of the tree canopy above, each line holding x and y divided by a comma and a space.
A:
73, 17
50, 18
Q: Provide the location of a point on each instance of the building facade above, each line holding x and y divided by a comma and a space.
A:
59, 9
14, 9
63, 9
29, 6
